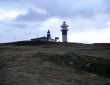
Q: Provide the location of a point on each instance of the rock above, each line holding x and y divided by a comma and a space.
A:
72, 58
88, 65
71, 62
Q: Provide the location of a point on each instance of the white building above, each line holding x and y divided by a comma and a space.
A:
46, 39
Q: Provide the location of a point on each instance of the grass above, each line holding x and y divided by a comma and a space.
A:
48, 65
100, 66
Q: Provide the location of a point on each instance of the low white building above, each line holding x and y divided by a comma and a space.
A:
46, 39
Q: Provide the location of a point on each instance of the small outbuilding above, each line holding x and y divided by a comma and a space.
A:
46, 39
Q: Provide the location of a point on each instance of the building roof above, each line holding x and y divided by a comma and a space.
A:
41, 38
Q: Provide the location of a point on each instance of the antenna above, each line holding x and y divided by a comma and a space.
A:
14, 38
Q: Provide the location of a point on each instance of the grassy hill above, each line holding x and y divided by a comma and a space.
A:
49, 64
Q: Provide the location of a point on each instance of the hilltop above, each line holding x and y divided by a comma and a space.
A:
31, 63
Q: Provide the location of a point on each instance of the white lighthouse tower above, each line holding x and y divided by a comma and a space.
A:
64, 32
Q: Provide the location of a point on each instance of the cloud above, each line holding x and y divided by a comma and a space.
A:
32, 17
8, 14
91, 36
72, 8
61, 8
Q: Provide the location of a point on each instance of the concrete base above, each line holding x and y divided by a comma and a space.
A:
64, 38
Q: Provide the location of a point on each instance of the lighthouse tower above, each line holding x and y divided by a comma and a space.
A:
64, 32
48, 35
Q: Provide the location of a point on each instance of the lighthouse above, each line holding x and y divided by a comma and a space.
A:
48, 35
64, 31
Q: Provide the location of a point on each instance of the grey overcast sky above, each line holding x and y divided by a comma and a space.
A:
88, 20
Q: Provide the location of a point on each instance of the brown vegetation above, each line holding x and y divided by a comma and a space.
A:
31, 65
